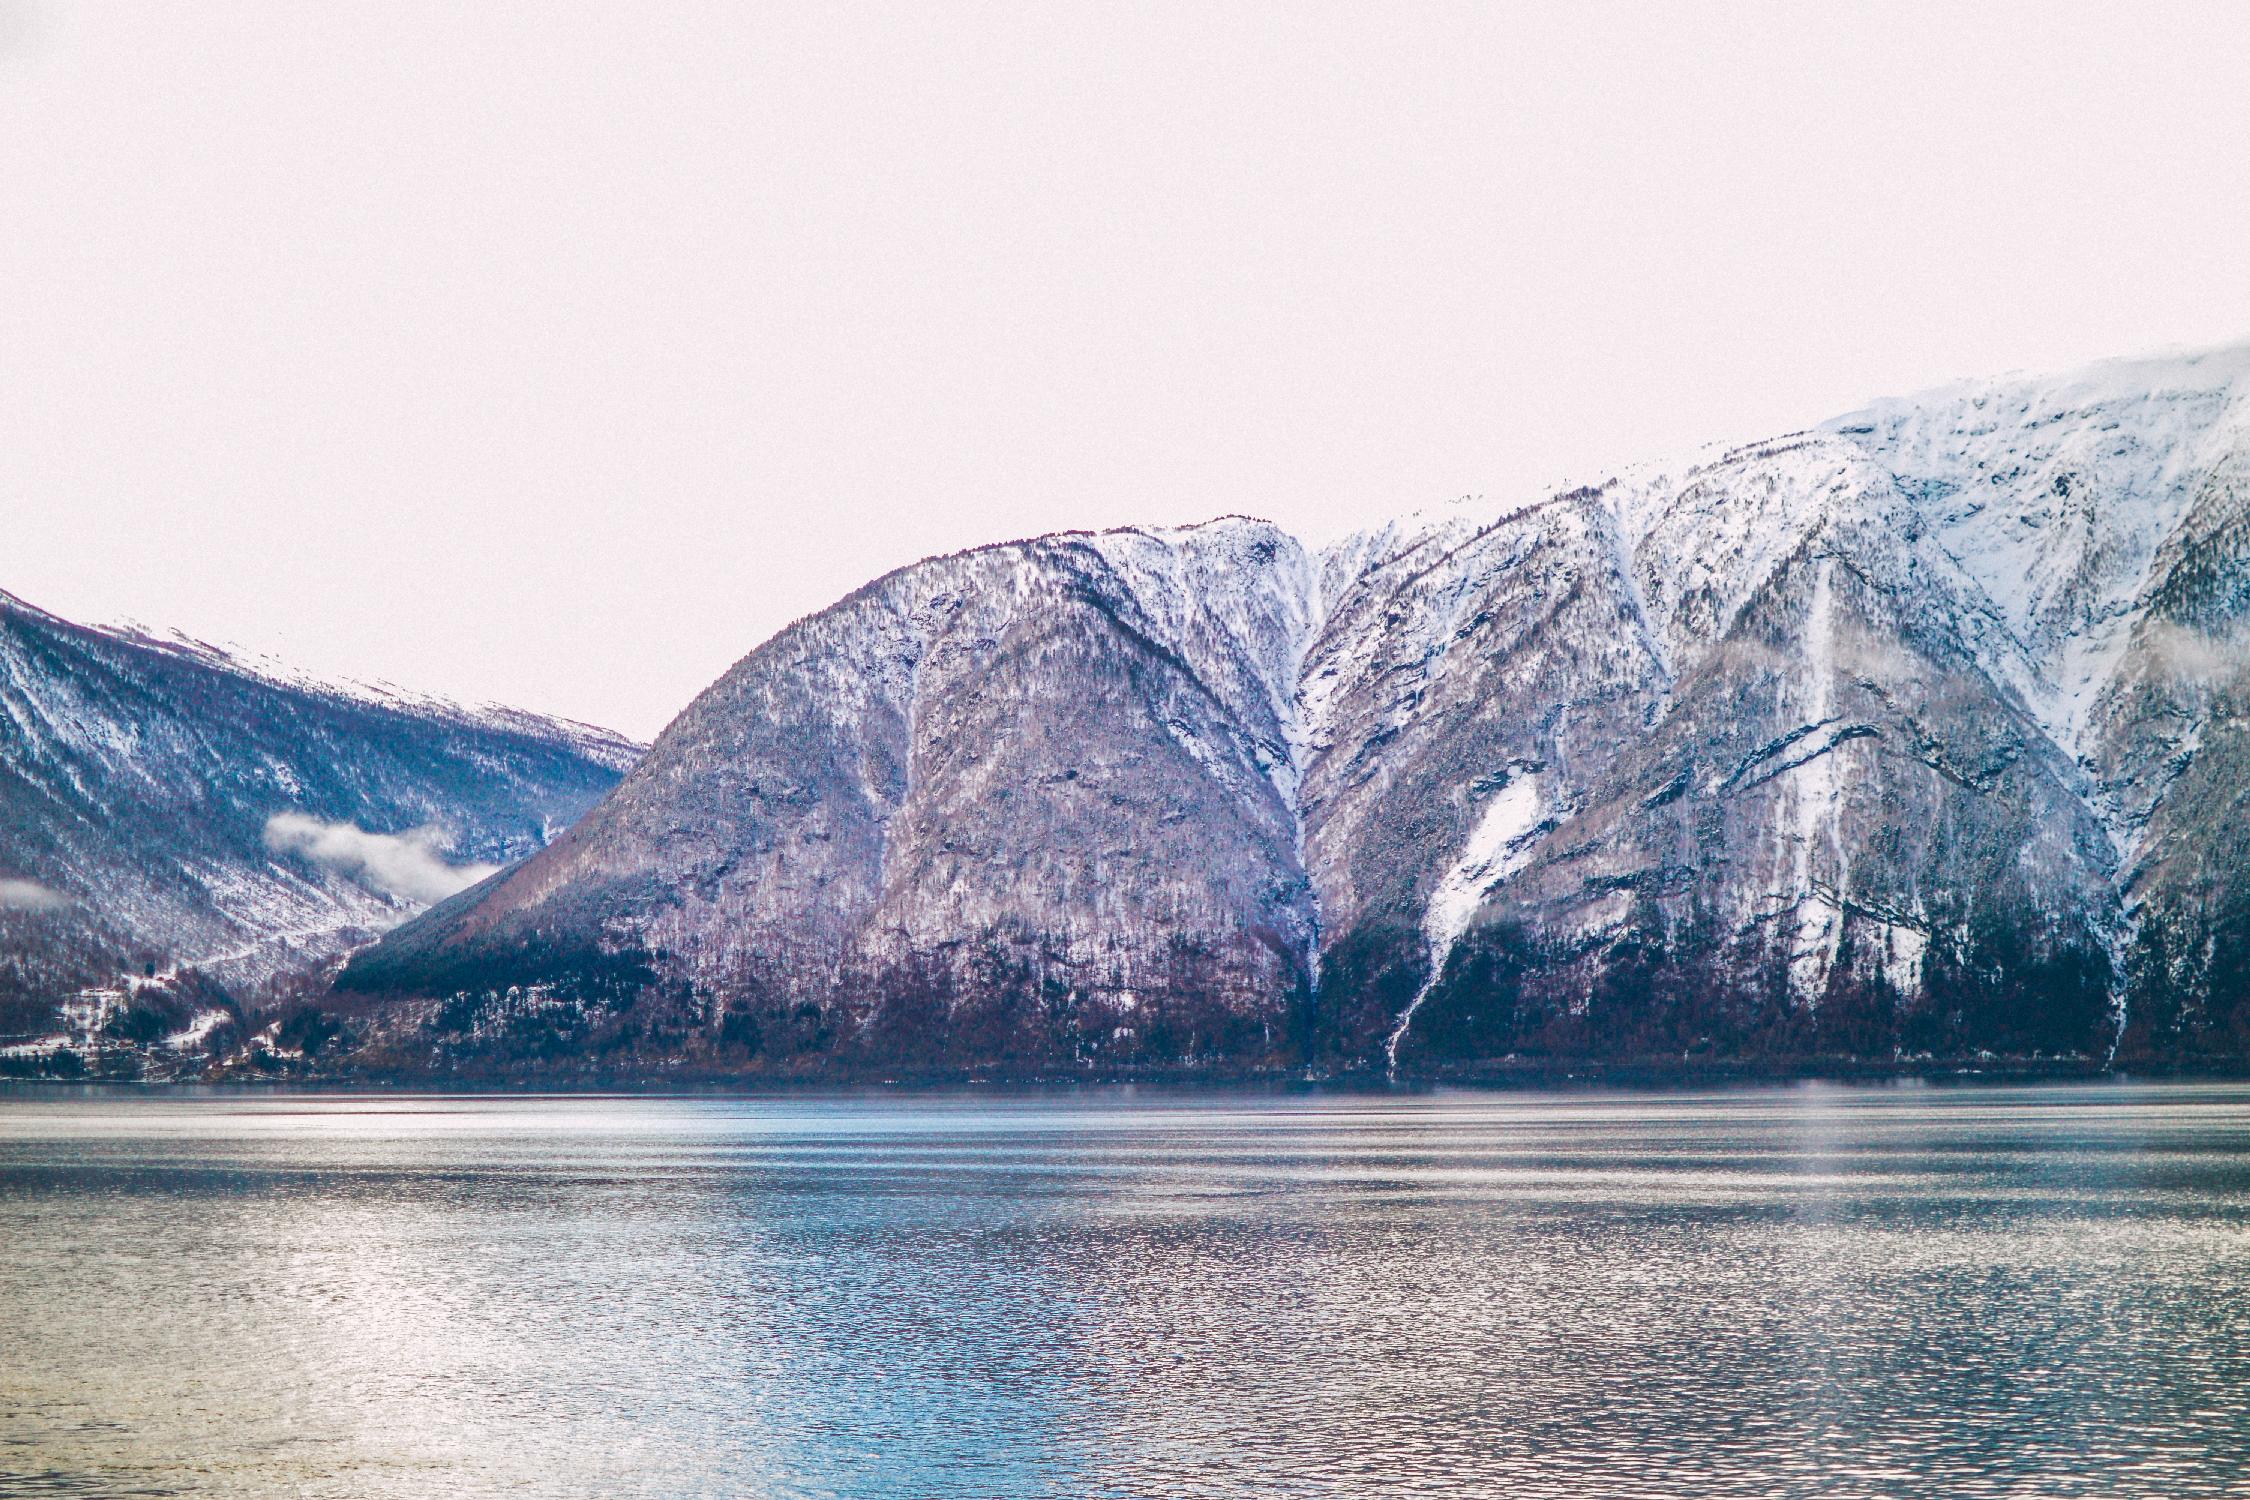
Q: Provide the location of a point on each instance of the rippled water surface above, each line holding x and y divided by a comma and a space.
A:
1817, 1290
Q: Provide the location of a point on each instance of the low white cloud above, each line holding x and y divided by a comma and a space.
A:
406, 865
30, 895
2198, 655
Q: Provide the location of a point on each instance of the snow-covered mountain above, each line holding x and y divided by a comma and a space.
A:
1918, 733
1031, 800
178, 827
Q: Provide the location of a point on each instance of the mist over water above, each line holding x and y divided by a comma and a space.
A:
1810, 1290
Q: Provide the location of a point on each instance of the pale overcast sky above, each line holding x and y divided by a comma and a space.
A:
557, 354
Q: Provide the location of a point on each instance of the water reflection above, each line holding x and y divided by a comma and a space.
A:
1788, 1291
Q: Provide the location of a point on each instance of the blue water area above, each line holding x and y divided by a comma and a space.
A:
1806, 1290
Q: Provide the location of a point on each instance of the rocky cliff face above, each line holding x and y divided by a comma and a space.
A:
1919, 734
178, 830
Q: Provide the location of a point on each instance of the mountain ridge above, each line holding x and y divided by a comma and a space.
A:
1912, 735
180, 834
1845, 742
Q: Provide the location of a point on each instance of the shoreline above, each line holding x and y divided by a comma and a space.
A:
1521, 1077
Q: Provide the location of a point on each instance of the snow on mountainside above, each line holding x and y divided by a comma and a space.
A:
602, 746
1915, 734
2057, 497
176, 828
1035, 799
1992, 550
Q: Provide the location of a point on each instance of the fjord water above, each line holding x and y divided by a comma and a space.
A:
1801, 1290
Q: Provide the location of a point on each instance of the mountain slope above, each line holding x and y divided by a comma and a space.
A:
1032, 801
1830, 800
164, 808
1918, 735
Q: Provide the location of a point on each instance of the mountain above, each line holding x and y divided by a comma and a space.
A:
181, 830
1031, 801
1917, 735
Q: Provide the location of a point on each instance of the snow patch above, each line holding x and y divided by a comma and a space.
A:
1498, 846
1903, 948
196, 1031
1506, 833
1813, 795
